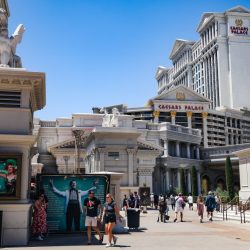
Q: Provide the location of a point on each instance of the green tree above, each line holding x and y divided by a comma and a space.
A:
183, 184
229, 178
194, 181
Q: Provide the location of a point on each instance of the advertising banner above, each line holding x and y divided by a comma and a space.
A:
66, 194
10, 176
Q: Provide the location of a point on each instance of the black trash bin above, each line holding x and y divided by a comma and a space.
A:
133, 217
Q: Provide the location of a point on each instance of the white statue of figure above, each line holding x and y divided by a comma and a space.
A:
114, 119
106, 118
8, 45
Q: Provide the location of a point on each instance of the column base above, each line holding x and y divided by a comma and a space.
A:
15, 224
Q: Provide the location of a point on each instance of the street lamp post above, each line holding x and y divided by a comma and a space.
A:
78, 134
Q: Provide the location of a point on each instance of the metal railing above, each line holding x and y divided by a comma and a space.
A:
243, 207
226, 206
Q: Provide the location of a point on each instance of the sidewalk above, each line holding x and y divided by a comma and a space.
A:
190, 234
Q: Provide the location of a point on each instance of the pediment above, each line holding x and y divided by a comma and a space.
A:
179, 43
181, 93
204, 20
68, 144
145, 145
239, 9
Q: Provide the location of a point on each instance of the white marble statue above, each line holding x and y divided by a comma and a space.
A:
110, 120
8, 45
106, 118
114, 119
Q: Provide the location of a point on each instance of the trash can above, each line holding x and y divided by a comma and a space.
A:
133, 217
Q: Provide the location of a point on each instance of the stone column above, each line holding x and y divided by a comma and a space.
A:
204, 121
199, 182
232, 138
188, 150
189, 76
189, 116
173, 115
179, 178
156, 115
66, 160
102, 155
165, 148
189, 182
167, 180
177, 148
25, 174
131, 152
197, 153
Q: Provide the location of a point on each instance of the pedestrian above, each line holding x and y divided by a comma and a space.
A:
172, 201
162, 210
218, 201
179, 206
190, 201
152, 199
39, 225
200, 208
92, 206
131, 201
156, 201
137, 200
210, 204
110, 213
125, 203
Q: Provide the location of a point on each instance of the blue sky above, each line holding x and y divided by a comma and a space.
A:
97, 53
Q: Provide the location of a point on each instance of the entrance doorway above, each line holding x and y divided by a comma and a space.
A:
205, 184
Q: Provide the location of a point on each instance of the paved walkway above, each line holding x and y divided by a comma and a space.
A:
190, 234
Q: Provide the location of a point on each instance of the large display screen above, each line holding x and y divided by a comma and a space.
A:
66, 194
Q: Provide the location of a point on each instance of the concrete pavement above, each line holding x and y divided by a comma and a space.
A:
190, 234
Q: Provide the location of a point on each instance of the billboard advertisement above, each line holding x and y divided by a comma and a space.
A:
66, 194
10, 176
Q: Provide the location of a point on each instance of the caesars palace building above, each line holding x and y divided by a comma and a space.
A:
198, 118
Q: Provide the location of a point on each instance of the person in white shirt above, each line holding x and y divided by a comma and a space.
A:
190, 201
179, 206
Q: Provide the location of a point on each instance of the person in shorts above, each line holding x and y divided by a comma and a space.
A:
91, 207
190, 201
179, 206
110, 213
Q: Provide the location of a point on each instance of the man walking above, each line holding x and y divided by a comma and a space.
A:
210, 204
179, 206
92, 206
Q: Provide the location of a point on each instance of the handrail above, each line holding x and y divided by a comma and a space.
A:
233, 202
243, 208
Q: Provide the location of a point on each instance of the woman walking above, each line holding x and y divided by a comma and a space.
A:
200, 207
39, 226
110, 212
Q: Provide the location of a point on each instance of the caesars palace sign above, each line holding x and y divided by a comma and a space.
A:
181, 107
239, 28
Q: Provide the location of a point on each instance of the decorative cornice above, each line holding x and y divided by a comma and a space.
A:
13, 79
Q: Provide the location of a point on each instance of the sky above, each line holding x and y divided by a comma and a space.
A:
97, 53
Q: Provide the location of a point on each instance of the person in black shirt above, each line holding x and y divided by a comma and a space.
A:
110, 213
91, 207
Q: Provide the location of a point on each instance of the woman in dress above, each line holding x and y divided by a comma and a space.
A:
110, 212
200, 207
39, 226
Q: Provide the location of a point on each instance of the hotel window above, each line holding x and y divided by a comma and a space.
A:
113, 155
10, 99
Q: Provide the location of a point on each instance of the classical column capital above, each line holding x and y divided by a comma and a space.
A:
173, 113
204, 115
189, 114
156, 113
101, 150
131, 150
